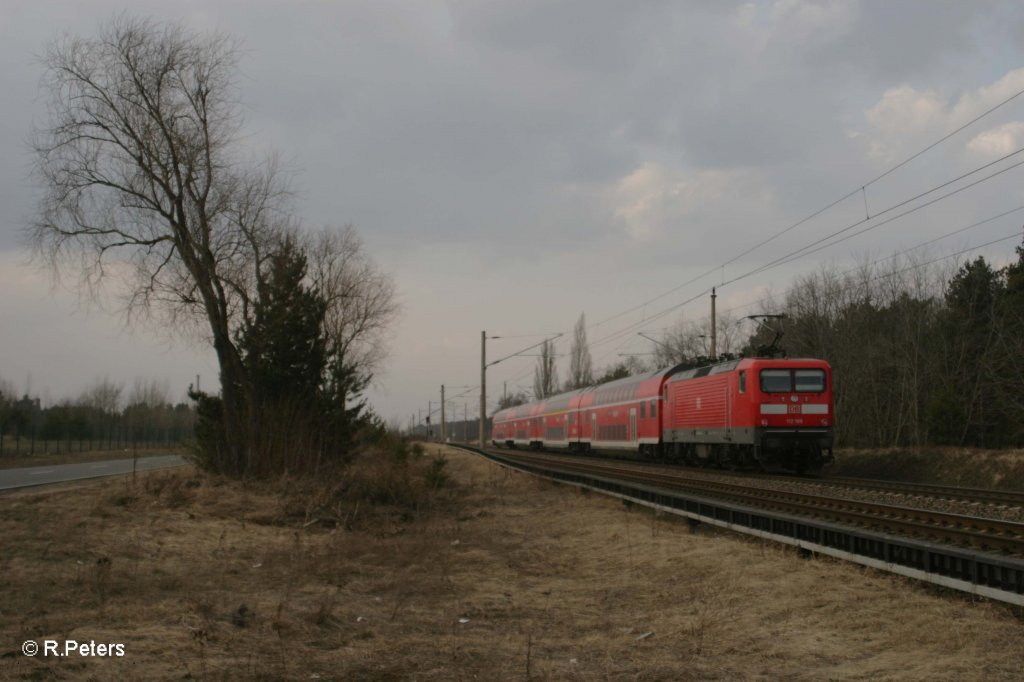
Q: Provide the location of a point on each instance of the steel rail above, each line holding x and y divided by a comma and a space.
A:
968, 569
982, 495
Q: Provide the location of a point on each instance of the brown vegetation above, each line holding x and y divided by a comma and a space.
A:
392, 573
966, 467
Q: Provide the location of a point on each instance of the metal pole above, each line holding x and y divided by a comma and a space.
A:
442, 414
714, 338
483, 383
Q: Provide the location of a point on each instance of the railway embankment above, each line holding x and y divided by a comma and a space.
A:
966, 467
489, 573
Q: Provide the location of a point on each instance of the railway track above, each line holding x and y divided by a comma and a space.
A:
984, 496
987, 503
965, 530
982, 554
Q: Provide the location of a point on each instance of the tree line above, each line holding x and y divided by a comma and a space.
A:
920, 355
103, 416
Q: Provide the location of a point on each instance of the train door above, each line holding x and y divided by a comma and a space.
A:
632, 424
593, 427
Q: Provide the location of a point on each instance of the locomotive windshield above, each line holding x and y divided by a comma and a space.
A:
790, 380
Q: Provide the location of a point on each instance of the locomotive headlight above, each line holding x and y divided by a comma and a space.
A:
824, 422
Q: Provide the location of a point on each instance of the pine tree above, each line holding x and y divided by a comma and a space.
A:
285, 348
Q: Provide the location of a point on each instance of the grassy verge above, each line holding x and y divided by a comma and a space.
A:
396, 572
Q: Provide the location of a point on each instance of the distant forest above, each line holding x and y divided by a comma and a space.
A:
919, 357
102, 417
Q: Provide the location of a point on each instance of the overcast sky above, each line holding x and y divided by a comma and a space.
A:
516, 163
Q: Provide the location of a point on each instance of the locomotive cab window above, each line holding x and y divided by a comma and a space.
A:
743, 381
809, 380
776, 381
788, 381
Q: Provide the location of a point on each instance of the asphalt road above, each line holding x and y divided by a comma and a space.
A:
59, 473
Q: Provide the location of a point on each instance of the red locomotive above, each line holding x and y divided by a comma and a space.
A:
773, 414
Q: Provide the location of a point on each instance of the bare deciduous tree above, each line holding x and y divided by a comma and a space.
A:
147, 189
149, 393
688, 340
104, 396
361, 301
581, 366
142, 180
545, 376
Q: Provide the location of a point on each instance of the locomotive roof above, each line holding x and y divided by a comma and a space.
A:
718, 368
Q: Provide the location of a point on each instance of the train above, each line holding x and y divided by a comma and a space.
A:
772, 414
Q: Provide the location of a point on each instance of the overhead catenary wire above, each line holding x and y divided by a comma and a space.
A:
858, 284
860, 188
803, 251
1016, 234
625, 335
807, 250
627, 331
920, 245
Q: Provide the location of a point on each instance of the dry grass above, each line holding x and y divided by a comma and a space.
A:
503, 577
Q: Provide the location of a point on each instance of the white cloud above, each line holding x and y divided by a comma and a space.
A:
906, 110
654, 199
972, 103
998, 141
905, 116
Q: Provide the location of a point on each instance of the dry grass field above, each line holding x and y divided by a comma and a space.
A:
497, 577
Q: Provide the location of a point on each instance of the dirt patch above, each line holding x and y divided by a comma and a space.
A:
502, 577
968, 467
